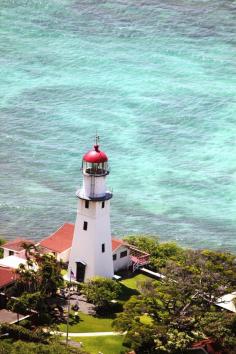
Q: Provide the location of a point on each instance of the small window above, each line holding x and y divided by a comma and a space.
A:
123, 254
11, 253
103, 247
85, 225
86, 204
103, 204
114, 257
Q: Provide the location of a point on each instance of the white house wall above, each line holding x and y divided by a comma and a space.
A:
5, 252
20, 254
121, 263
64, 256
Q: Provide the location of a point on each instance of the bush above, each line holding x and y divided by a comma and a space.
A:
20, 347
2, 241
19, 332
101, 291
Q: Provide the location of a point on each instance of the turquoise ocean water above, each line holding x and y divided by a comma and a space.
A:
156, 79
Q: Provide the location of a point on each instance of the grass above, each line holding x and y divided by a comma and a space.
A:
87, 323
106, 345
132, 283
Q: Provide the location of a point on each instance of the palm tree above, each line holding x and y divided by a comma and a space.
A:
29, 248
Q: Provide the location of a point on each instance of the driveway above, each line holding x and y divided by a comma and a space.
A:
10, 317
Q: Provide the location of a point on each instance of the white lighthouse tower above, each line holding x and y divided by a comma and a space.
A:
91, 252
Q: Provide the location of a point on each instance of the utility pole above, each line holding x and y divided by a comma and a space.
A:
68, 313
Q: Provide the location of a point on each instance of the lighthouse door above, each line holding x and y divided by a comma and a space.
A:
80, 271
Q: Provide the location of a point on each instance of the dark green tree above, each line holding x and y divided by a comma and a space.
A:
2, 241
181, 307
101, 291
160, 253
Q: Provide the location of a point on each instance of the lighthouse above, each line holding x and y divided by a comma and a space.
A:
91, 251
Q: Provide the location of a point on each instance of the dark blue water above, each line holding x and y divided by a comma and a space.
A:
156, 79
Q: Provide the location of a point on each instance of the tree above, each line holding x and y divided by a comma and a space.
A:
49, 275
145, 243
37, 285
2, 241
29, 248
101, 291
41, 273
23, 347
160, 253
182, 305
222, 327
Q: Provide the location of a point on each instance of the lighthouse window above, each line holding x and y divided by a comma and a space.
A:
103, 204
85, 225
123, 254
86, 204
103, 247
114, 257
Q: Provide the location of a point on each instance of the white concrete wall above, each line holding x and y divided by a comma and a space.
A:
6, 253
21, 254
64, 256
121, 263
87, 245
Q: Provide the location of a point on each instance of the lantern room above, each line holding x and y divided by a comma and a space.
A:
95, 162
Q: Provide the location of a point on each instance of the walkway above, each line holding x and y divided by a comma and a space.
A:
89, 334
153, 274
80, 300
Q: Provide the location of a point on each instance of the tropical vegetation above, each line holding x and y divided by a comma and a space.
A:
180, 309
160, 316
2, 241
36, 288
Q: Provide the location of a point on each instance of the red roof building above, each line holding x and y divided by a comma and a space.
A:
15, 247
59, 241
7, 276
124, 255
117, 243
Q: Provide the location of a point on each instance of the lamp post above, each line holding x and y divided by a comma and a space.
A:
68, 313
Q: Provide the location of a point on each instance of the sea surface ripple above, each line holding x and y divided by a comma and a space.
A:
156, 79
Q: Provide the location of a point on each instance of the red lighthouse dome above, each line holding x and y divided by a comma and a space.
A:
95, 162
95, 156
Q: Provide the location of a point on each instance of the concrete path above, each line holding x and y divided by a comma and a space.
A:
89, 334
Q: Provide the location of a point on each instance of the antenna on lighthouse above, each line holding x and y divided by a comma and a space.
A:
97, 138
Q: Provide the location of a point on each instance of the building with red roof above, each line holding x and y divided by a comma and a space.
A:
59, 243
7, 277
15, 247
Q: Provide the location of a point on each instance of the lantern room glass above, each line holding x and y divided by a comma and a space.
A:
95, 169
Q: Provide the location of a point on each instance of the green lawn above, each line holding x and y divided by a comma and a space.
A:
106, 345
88, 323
132, 282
